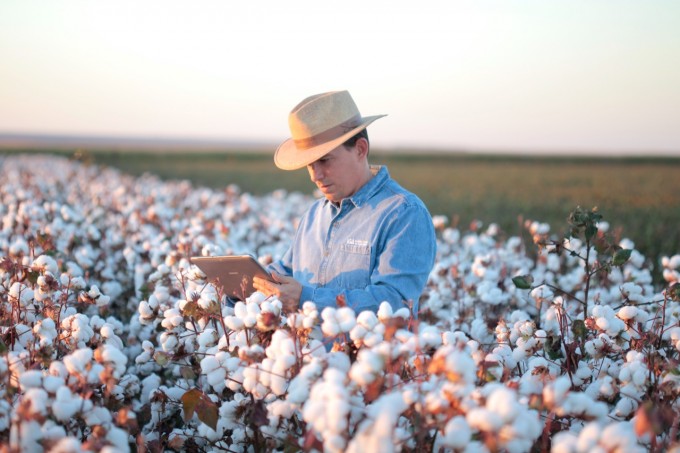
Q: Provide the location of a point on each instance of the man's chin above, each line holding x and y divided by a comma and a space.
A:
331, 198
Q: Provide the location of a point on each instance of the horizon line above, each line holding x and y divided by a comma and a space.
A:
131, 142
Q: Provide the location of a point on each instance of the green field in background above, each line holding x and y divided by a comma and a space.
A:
639, 197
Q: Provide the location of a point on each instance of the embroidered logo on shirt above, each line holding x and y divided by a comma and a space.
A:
359, 246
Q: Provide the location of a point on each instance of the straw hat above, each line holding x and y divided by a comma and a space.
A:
318, 125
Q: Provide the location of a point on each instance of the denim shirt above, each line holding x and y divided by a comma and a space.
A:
378, 245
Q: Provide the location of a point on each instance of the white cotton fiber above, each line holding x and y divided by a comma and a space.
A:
30, 379
66, 404
209, 363
78, 360
457, 433
504, 403
67, 445
484, 420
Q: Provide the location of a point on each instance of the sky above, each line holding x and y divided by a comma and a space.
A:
582, 76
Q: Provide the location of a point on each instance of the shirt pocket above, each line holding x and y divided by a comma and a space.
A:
354, 260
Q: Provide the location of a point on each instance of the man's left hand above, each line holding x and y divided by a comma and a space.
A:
286, 289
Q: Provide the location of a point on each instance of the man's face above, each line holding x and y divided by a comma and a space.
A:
340, 173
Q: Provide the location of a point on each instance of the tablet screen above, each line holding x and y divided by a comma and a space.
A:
234, 273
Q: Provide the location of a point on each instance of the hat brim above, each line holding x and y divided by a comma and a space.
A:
289, 157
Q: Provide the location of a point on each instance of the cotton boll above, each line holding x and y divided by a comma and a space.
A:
376, 432
100, 299
639, 377
456, 365
146, 312
504, 403
538, 371
309, 309
118, 439
602, 387
278, 384
250, 320
480, 331
599, 346
107, 332
673, 335
502, 332
234, 323
78, 360
256, 298
20, 293
503, 354
207, 338
358, 333
620, 436
30, 379
362, 373
37, 399
457, 339
209, 364
440, 221
493, 296
66, 405
457, 433
482, 419
67, 445
330, 326
97, 416
555, 393
45, 263
253, 309
251, 381
624, 407
19, 247
172, 319
628, 312
52, 383
300, 385
385, 311
240, 310
328, 407
633, 292
149, 385
672, 262
579, 404
113, 356
429, 337
168, 342
602, 323
346, 319
79, 327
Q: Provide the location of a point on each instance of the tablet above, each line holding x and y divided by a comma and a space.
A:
234, 273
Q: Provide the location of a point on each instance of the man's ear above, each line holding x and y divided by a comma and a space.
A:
362, 147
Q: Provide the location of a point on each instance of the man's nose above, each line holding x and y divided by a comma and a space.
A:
314, 172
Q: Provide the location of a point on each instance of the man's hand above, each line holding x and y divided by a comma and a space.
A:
286, 289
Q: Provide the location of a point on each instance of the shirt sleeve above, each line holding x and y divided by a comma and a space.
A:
284, 265
407, 249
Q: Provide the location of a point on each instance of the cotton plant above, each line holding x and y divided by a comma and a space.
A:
113, 340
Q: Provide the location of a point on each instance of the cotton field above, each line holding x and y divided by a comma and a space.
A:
112, 341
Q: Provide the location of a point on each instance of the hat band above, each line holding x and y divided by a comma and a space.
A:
329, 134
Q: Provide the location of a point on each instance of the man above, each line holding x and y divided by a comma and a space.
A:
369, 240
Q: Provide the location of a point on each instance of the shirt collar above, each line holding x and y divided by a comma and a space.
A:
380, 177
